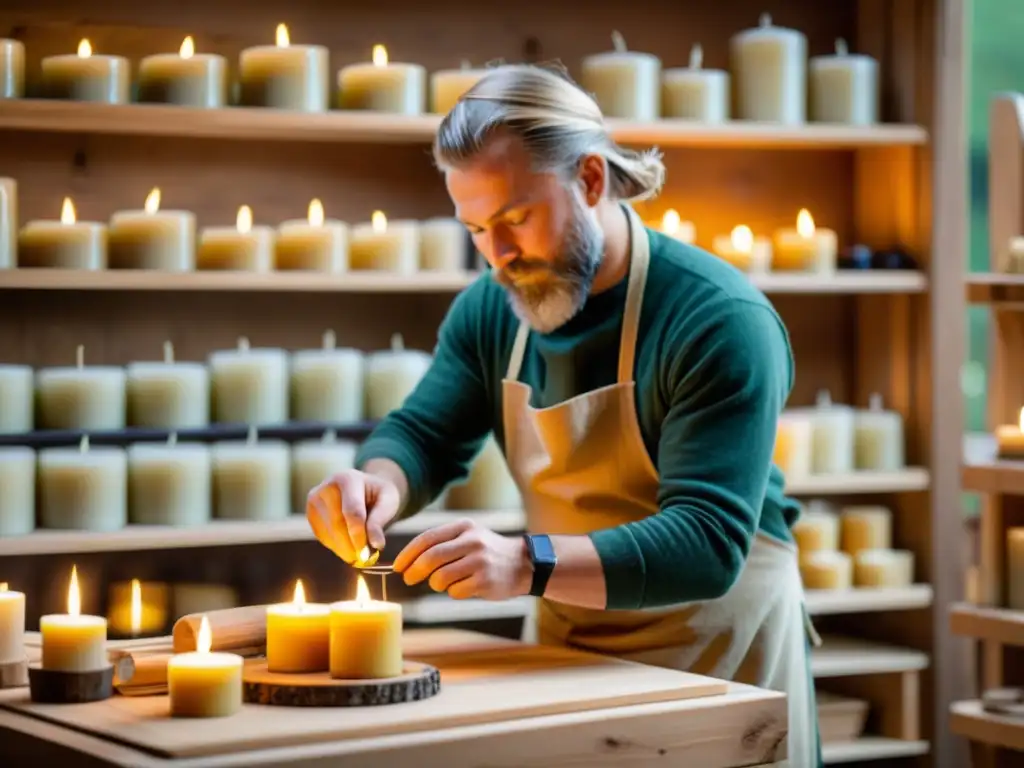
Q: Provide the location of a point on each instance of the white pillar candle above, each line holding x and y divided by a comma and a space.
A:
807, 248
244, 247
73, 642
84, 76
87, 398
8, 222
17, 399
769, 67
152, 239
883, 568
794, 438
252, 479
833, 436
744, 251
168, 394
12, 69
624, 83
12, 625
1015, 255
392, 375
312, 244
490, 484
327, 383
185, 78
249, 386
389, 246
447, 86
284, 76
673, 226
382, 86
83, 488
313, 461
844, 88
169, 483
1015, 568
695, 93
878, 438
17, 491
64, 244
444, 245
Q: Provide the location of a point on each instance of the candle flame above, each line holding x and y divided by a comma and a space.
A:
316, 212
281, 36
379, 222
362, 591
743, 239
74, 595
243, 221
153, 201
380, 56
84, 49
670, 221
204, 638
300, 593
805, 223
1020, 420
188, 48
136, 607
67, 211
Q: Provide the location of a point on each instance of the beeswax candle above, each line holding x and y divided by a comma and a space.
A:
244, 247
883, 568
865, 527
251, 479
744, 251
12, 625
8, 222
204, 684
185, 78
817, 530
392, 375
806, 248
447, 86
73, 642
64, 244
313, 461
624, 83
1010, 439
878, 438
391, 246
769, 68
83, 488
695, 93
168, 394
826, 569
17, 491
298, 635
366, 637
169, 483
85, 76
383, 86
327, 383
312, 244
490, 484
444, 246
89, 398
844, 87
12, 69
1015, 569
17, 399
249, 386
284, 76
794, 437
152, 239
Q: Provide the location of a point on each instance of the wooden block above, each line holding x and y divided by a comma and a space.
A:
14, 674
47, 686
260, 686
231, 628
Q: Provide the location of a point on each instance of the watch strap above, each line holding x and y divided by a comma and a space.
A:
542, 555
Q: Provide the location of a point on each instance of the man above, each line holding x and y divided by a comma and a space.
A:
634, 383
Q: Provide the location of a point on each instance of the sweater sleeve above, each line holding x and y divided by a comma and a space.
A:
725, 385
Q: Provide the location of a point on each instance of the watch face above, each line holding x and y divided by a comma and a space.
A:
542, 550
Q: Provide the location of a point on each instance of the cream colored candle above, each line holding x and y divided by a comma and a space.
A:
490, 484
844, 87
64, 244
447, 86
83, 488
794, 438
327, 383
817, 530
312, 244
1015, 255
298, 635
673, 226
865, 527
252, 479
84, 76
168, 394
1010, 439
878, 438
12, 625
12, 69
244, 247
366, 637
383, 86
152, 239
1015, 569
389, 246
624, 83
744, 251
185, 78
313, 461
444, 246
284, 76
137, 608
392, 375
204, 684
170, 483
73, 641
883, 568
17, 399
17, 491
769, 69
695, 93
833, 437
249, 386
89, 398
826, 569
8, 223
807, 248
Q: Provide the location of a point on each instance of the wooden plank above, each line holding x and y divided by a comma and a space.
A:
869, 748
969, 720
845, 656
823, 602
999, 625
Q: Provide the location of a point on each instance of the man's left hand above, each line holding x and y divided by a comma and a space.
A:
466, 560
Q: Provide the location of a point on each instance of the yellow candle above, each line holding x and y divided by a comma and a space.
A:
12, 69
447, 86
152, 239
73, 642
673, 226
769, 66
313, 461
284, 76
391, 246
382, 86
1014, 259
85, 76
807, 248
366, 637
695, 93
83, 488
844, 88
168, 394
185, 78
444, 245
12, 625
204, 684
327, 383
137, 608
624, 83
744, 251
312, 244
1010, 439
298, 635
17, 490
244, 247
8, 224
64, 244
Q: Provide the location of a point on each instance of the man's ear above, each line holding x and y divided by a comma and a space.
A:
593, 178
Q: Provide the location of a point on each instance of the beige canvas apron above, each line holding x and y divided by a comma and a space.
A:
582, 466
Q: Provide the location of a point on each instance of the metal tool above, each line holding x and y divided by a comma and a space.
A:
383, 571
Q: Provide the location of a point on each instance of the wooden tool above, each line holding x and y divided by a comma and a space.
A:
231, 628
48, 686
14, 674
259, 686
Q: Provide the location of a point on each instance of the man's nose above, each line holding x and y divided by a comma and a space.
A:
503, 251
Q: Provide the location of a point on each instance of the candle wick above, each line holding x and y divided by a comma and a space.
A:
252, 437
824, 398
80, 356
168, 352
766, 20
172, 439
465, 64
243, 344
83, 445
696, 57
330, 436
397, 343
841, 48
875, 402
330, 340
618, 42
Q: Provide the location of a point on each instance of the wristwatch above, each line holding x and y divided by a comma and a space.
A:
542, 555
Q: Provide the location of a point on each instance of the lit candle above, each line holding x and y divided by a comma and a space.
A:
83, 488
807, 248
695, 93
298, 635
169, 483
284, 76
844, 88
366, 637
168, 394
489, 485
152, 239
17, 398
204, 684
252, 479
624, 83
673, 226
249, 386
12, 69
769, 65
88, 398
84, 76
1015, 569
244, 247
391, 246
12, 625
313, 244
383, 86
64, 244
447, 86
136, 608
184, 78
1010, 438
744, 251
327, 383
8, 223
313, 461
17, 490
73, 642
878, 438
444, 245
392, 375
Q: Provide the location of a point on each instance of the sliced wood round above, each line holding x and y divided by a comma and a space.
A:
14, 674
48, 686
260, 686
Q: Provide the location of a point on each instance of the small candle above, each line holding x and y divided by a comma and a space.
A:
313, 243
392, 375
204, 684
8, 223
1015, 568
793, 446
168, 394
865, 527
73, 642
817, 530
1010, 439
382, 86
17, 491
490, 484
807, 248
844, 88
833, 437
169, 483
284, 76
327, 383
184, 78
624, 83
83, 488
250, 386
87, 398
878, 438
695, 93
152, 239
366, 637
12, 625
17, 399
826, 569
137, 608
252, 479
244, 247
744, 251
447, 86
673, 226
769, 65
64, 244
313, 461
12, 69
444, 246
883, 568
84, 76
1015, 255
391, 246
298, 635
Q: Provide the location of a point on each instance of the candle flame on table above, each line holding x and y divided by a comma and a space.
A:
362, 591
74, 596
316, 212
84, 49
188, 48
152, 204
300, 593
281, 36
136, 607
379, 222
204, 638
670, 221
243, 221
743, 239
380, 56
805, 223
67, 211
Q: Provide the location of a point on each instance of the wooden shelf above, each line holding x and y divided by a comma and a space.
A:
969, 720
823, 602
994, 288
380, 128
999, 625
871, 748
910, 479
983, 471
846, 656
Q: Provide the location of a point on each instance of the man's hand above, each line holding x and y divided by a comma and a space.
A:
466, 560
349, 511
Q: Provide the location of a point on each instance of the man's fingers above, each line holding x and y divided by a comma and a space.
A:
353, 510
428, 539
325, 502
433, 558
383, 511
454, 571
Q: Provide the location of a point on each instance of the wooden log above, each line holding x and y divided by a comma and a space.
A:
259, 686
14, 674
231, 628
48, 686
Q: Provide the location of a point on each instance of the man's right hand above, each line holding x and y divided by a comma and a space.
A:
349, 511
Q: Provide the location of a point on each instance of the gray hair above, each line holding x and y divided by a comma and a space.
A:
557, 121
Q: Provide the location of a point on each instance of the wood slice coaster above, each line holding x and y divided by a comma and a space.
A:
260, 686
14, 674
48, 686
1004, 701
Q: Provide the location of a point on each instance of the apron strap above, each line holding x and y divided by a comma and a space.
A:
639, 262
515, 360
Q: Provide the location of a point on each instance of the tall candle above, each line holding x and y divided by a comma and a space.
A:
769, 65
878, 438
12, 69
1015, 568
168, 394
313, 461
392, 375
833, 436
170, 483
793, 452
17, 398
83, 488
152, 239
844, 87
12, 625
624, 83
1010, 439
204, 684
73, 642
252, 479
89, 398
673, 226
391, 246
284, 76
444, 245
489, 485
383, 86
244, 247
250, 386
695, 93
64, 244
298, 635
17, 490
327, 383
8, 223
185, 78
84, 76
366, 637
807, 248
744, 251
313, 244
447, 86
